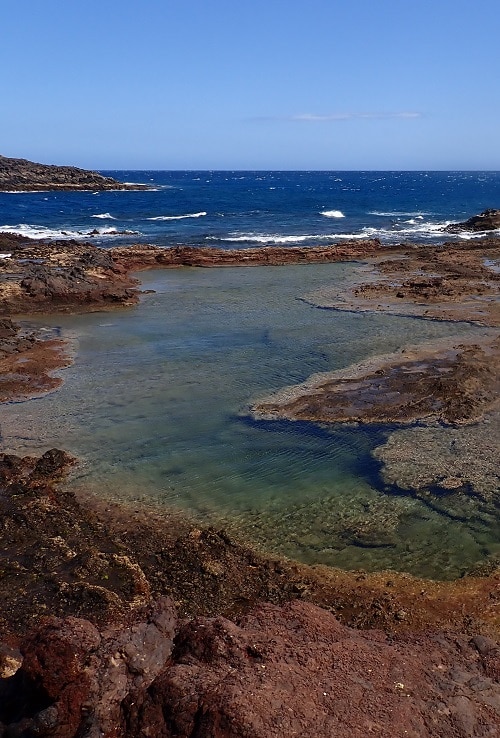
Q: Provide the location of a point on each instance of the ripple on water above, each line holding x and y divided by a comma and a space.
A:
154, 406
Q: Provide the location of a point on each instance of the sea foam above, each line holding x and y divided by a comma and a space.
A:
332, 213
178, 217
274, 238
104, 216
41, 232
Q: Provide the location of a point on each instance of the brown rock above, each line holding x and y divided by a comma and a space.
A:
79, 676
150, 257
281, 671
294, 670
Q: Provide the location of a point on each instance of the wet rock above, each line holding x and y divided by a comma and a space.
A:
488, 220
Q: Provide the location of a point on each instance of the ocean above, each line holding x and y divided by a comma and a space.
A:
244, 209
156, 403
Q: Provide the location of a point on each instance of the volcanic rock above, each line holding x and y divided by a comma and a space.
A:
488, 220
278, 672
24, 175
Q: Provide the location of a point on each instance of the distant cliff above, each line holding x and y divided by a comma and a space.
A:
21, 174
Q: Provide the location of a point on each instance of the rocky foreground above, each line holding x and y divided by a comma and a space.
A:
119, 621
21, 175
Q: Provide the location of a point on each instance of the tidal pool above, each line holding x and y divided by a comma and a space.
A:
155, 408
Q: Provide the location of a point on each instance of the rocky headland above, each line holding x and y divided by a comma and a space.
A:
119, 621
21, 175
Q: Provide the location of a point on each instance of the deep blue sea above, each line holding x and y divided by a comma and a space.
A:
232, 209
156, 402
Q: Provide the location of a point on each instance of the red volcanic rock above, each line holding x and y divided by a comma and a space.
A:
78, 677
295, 670
279, 672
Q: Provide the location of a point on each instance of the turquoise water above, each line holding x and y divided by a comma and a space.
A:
155, 407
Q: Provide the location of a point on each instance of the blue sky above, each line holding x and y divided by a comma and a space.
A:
266, 84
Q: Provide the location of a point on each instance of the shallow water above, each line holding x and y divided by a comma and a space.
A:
155, 403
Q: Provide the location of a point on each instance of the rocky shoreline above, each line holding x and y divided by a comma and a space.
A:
117, 621
21, 175
120, 622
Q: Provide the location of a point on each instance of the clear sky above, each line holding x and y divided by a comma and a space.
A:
251, 84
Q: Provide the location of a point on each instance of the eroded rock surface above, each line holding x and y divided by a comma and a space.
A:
452, 385
63, 276
150, 257
280, 671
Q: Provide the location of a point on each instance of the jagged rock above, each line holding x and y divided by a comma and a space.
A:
280, 671
74, 678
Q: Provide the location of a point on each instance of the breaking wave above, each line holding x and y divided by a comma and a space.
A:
41, 232
104, 216
396, 213
178, 217
332, 213
276, 238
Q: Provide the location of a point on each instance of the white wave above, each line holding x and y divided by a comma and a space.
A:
332, 213
424, 231
41, 232
396, 213
421, 231
109, 232
272, 238
104, 216
31, 231
178, 217
5, 256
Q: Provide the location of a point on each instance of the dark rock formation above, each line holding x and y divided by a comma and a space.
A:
488, 220
60, 276
21, 174
280, 671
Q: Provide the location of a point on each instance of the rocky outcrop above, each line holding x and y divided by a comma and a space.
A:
61, 276
70, 555
280, 671
151, 257
24, 175
453, 385
488, 220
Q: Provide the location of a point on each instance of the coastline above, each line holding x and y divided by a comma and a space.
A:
71, 557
